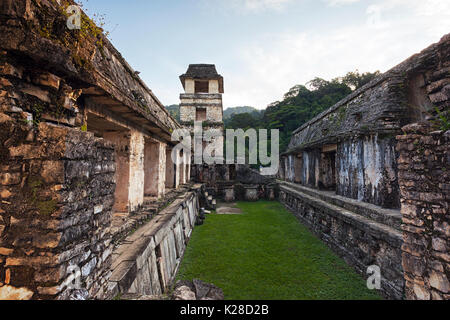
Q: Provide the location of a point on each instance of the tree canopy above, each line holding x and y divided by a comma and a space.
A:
300, 104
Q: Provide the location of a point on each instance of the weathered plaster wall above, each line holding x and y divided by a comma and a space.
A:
170, 170
213, 86
214, 113
367, 170
187, 113
424, 176
298, 167
137, 175
364, 124
310, 168
155, 169
189, 86
121, 142
289, 165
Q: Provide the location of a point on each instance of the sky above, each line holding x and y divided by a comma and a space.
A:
263, 48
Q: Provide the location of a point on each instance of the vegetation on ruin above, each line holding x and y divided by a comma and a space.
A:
45, 207
299, 105
266, 253
302, 103
53, 27
174, 111
443, 121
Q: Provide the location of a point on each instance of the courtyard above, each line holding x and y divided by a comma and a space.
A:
264, 253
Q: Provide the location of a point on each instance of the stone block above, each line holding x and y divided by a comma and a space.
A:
37, 92
48, 80
251, 193
12, 293
5, 83
52, 172
439, 281
229, 194
421, 292
439, 245
48, 240
6, 251
7, 179
10, 70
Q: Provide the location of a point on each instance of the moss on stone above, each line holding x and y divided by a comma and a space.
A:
46, 208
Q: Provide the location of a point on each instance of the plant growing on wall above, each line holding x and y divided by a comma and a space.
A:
443, 122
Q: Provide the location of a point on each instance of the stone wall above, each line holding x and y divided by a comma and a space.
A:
191, 102
362, 234
367, 170
147, 262
57, 188
424, 177
363, 126
74, 118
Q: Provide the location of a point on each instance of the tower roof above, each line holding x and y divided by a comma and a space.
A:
202, 72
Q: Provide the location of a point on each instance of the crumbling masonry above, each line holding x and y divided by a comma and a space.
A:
348, 172
93, 205
84, 159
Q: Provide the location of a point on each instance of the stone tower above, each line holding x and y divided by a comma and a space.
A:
202, 101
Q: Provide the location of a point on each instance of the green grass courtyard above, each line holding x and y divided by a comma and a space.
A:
266, 254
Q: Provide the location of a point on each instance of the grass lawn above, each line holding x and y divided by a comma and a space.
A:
266, 254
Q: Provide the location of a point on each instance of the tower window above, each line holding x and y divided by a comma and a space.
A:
200, 115
201, 87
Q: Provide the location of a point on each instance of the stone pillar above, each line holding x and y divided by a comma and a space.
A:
136, 182
121, 141
298, 164
424, 175
229, 193
188, 169
178, 171
170, 170
281, 174
183, 168
155, 168
251, 193
271, 192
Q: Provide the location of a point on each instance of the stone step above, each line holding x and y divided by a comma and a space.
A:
391, 234
389, 217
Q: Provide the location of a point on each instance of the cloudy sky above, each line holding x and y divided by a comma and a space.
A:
265, 47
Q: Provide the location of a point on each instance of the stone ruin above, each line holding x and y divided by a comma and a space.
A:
85, 159
202, 101
93, 205
373, 185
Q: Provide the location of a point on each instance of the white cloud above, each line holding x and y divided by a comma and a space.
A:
336, 3
275, 62
248, 6
256, 5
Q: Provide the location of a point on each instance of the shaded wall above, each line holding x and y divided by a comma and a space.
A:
57, 190
367, 170
424, 175
364, 125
